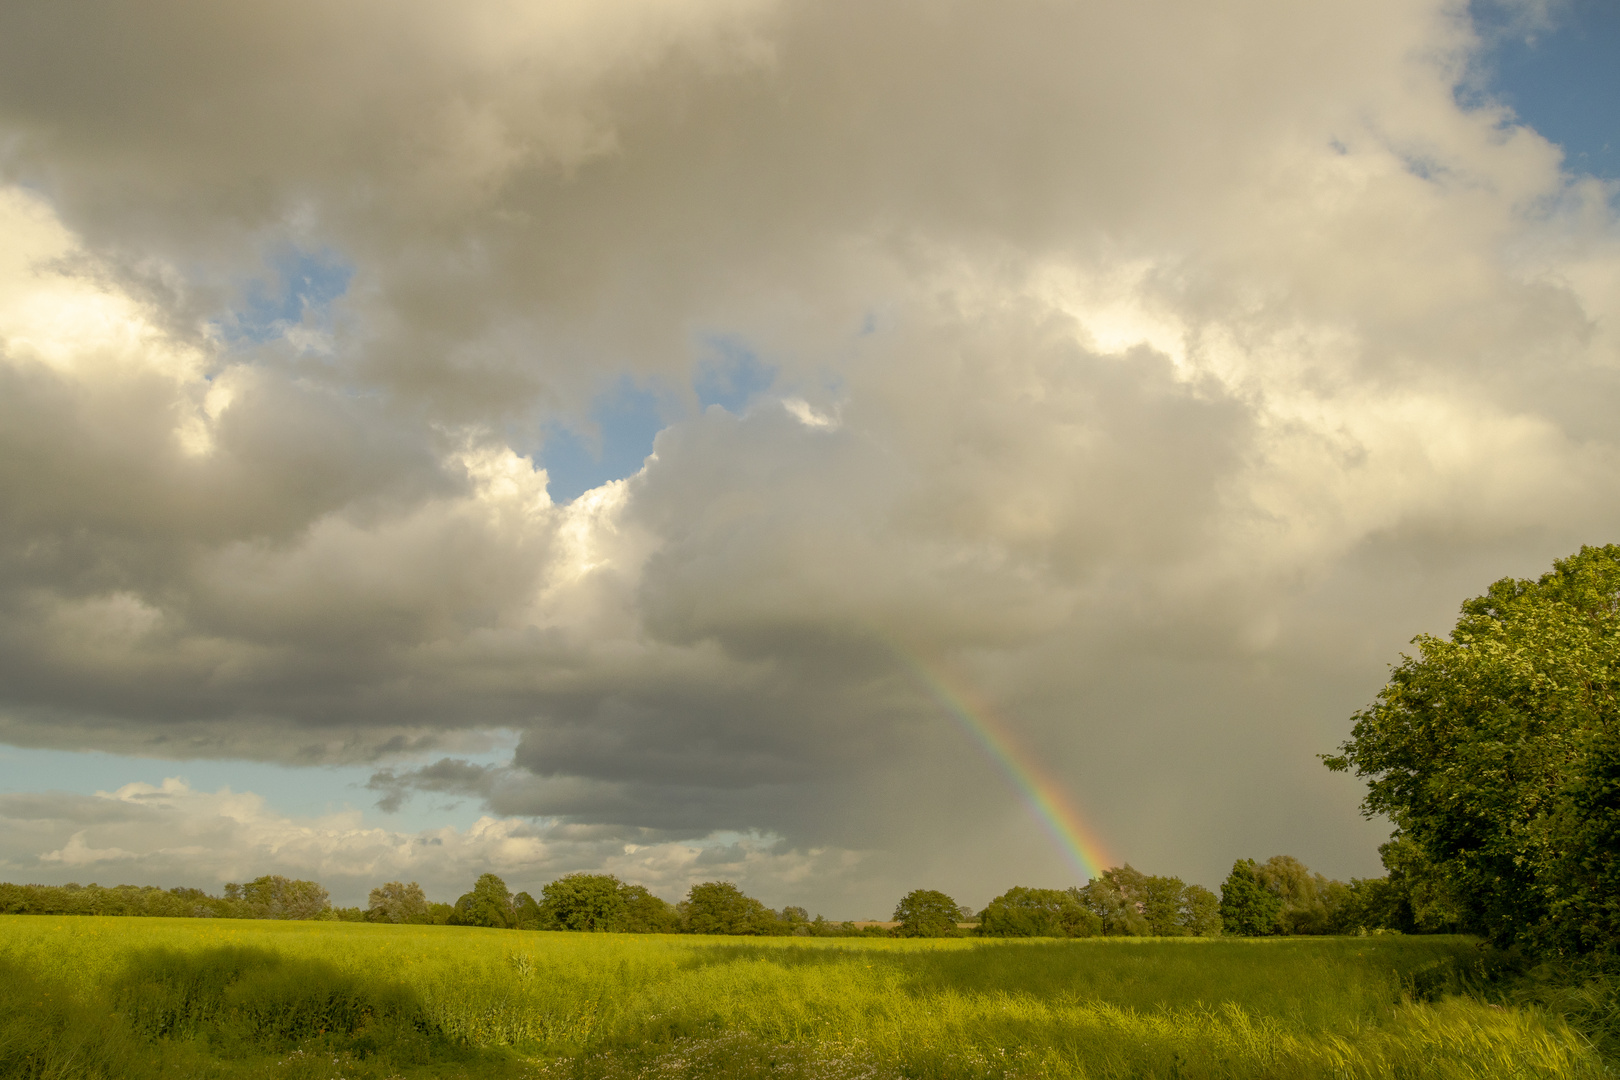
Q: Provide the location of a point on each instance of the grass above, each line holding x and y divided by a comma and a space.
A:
108, 997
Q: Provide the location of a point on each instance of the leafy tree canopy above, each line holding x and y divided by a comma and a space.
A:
1248, 908
719, 907
276, 897
927, 913
489, 904
398, 902
1496, 753
1021, 912
1129, 903
583, 902
1200, 914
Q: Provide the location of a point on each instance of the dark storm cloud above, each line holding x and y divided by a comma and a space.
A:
1156, 369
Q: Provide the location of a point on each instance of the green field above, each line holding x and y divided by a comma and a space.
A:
112, 997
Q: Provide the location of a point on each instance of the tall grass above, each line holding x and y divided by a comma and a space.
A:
226, 999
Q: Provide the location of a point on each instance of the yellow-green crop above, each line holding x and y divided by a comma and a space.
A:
238, 998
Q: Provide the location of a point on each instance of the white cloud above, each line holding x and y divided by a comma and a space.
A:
181, 835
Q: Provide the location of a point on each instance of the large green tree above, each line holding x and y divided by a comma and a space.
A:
398, 902
583, 902
1496, 753
276, 897
1248, 908
719, 907
927, 913
645, 913
488, 904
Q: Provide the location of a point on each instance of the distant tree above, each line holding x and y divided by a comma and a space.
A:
791, 920
645, 913
1248, 908
1157, 899
1129, 903
1022, 912
397, 902
719, 907
1117, 912
525, 912
591, 902
927, 913
1200, 912
488, 904
276, 897
1305, 895
344, 914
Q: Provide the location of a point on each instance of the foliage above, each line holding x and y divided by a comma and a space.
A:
75, 899
1200, 913
582, 902
927, 913
1248, 908
719, 907
526, 914
1129, 903
1496, 753
398, 902
1021, 912
276, 897
263, 898
645, 913
86, 997
488, 904
1118, 913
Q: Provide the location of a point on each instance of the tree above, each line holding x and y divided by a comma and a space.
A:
1021, 912
1117, 912
276, 897
927, 913
525, 912
397, 902
1200, 912
645, 913
719, 907
489, 904
1306, 896
593, 902
1129, 903
1496, 753
1248, 908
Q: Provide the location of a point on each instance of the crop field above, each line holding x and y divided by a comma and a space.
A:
125, 997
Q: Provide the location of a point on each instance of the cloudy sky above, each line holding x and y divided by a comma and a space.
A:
447, 437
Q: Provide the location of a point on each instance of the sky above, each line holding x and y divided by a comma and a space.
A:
839, 448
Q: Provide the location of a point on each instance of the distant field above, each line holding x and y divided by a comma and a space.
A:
124, 997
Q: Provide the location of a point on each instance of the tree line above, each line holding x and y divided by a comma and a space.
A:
1279, 896
268, 897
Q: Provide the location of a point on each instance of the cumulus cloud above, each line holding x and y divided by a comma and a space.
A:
1158, 369
178, 835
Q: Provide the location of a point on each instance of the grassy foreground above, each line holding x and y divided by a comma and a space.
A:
110, 997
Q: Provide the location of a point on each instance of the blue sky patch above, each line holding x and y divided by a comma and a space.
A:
300, 285
625, 420
1562, 79
731, 374
296, 791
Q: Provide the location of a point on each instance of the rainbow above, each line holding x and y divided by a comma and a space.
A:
1046, 799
